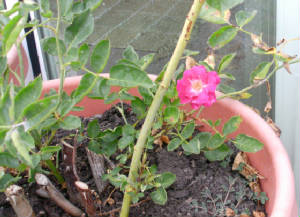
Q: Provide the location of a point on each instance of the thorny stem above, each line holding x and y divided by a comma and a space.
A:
146, 128
258, 83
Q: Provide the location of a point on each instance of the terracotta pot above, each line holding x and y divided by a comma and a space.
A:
272, 162
13, 62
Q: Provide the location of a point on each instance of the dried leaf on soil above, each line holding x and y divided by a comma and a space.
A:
229, 212
247, 170
258, 214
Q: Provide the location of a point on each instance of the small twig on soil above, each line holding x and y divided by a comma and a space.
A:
118, 209
229, 190
19, 202
57, 197
86, 197
109, 196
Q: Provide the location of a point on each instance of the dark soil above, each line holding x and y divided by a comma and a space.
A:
201, 189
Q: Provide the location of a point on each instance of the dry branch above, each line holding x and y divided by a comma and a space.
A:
56, 196
86, 198
19, 202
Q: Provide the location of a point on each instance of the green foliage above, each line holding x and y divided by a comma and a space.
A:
223, 5
260, 72
100, 56
129, 76
49, 45
159, 196
222, 37
244, 17
225, 61
217, 154
232, 125
192, 147
247, 143
80, 29
171, 114
174, 144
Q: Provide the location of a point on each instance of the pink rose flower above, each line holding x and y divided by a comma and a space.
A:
198, 87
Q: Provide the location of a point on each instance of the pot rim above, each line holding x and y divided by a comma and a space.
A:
284, 204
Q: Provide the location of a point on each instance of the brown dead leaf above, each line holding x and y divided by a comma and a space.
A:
110, 201
227, 15
247, 170
229, 212
255, 187
268, 107
287, 67
190, 63
258, 214
165, 139
210, 59
258, 42
281, 42
273, 126
158, 142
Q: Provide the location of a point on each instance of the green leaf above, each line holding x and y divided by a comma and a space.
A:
225, 61
212, 15
232, 125
87, 82
215, 141
83, 54
188, 130
130, 54
244, 17
128, 130
100, 56
71, 56
101, 89
138, 107
225, 88
3, 65
203, 137
171, 114
11, 32
49, 46
93, 128
125, 141
45, 6
159, 196
38, 111
192, 147
92, 4
65, 7
174, 144
80, 29
223, 5
8, 160
247, 143
5, 105
166, 179
6, 180
27, 95
227, 76
70, 122
128, 76
260, 72
217, 154
23, 143
146, 94
146, 60
111, 98
222, 36
50, 149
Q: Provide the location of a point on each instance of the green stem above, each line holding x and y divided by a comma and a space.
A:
146, 128
258, 83
59, 54
55, 172
22, 83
